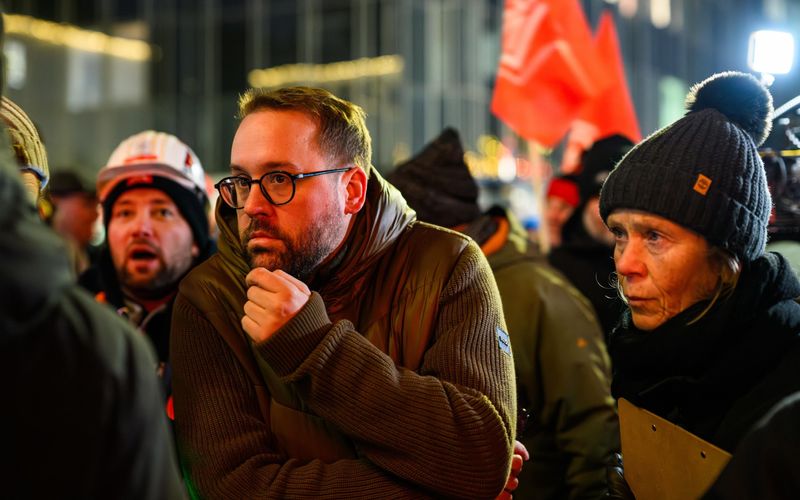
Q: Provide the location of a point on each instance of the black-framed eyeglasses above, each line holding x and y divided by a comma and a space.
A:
277, 187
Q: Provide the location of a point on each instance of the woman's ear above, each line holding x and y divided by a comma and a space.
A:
356, 188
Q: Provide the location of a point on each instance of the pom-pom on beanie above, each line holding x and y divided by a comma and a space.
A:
703, 171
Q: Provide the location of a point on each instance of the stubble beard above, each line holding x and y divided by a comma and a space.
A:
301, 255
163, 282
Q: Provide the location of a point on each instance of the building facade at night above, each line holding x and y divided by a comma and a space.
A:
416, 66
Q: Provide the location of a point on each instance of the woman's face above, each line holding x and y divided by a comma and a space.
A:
663, 268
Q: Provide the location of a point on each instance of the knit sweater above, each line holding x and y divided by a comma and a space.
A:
395, 380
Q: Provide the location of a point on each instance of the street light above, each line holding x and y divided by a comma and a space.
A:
770, 53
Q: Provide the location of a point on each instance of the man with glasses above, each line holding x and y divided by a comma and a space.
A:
334, 345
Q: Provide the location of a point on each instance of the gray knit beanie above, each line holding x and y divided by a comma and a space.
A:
703, 171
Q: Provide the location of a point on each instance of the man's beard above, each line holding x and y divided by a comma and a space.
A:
302, 254
164, 281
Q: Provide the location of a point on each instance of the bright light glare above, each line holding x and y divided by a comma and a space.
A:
507, 168
771, 52
660, 13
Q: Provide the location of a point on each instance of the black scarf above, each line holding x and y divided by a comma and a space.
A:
693, 374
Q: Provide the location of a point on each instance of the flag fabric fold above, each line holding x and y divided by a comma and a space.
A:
548, 69
608, 113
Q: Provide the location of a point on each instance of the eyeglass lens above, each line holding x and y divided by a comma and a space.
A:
278, 185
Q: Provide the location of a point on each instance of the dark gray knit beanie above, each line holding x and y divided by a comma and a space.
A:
703, 171
437, 182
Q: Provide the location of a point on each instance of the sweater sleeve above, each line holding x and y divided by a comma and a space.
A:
448, 427
223, 441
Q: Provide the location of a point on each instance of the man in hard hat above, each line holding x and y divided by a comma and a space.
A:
152, 191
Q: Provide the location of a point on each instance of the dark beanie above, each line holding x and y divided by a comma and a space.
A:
703, 171
598, 161
67, 182
437, 183
192, 208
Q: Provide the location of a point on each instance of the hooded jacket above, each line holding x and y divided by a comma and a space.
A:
82, 414
563, 369
395, 380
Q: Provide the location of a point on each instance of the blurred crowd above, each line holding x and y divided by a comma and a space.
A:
323, 330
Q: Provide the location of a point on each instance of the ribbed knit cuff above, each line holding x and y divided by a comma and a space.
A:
287, 348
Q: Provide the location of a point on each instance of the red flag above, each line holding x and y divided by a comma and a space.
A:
610, 112
547, 68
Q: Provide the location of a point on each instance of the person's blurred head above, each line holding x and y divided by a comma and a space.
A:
690, 203
437, 183
28, 147
74, 206
152, 191
300, 161
562, 199
596, 163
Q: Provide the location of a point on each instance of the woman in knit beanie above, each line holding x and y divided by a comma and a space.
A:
709, 339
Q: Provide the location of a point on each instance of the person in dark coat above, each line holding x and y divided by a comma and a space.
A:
82, 414
586, 254
710, 338
560, 359
766, 462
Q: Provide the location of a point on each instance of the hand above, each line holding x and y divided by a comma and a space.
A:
273, 298
520, 455
618, 488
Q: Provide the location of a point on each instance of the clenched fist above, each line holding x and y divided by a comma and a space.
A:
273, 298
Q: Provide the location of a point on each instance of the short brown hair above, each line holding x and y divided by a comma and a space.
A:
342, 130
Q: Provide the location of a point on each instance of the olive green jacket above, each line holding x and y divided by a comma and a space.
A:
562, 366
395, 380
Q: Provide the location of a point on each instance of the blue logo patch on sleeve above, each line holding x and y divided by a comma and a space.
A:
503, 341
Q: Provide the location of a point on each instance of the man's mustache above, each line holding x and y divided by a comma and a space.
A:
258, 225
141, 242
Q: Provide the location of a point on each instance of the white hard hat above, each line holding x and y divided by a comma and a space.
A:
156, 154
